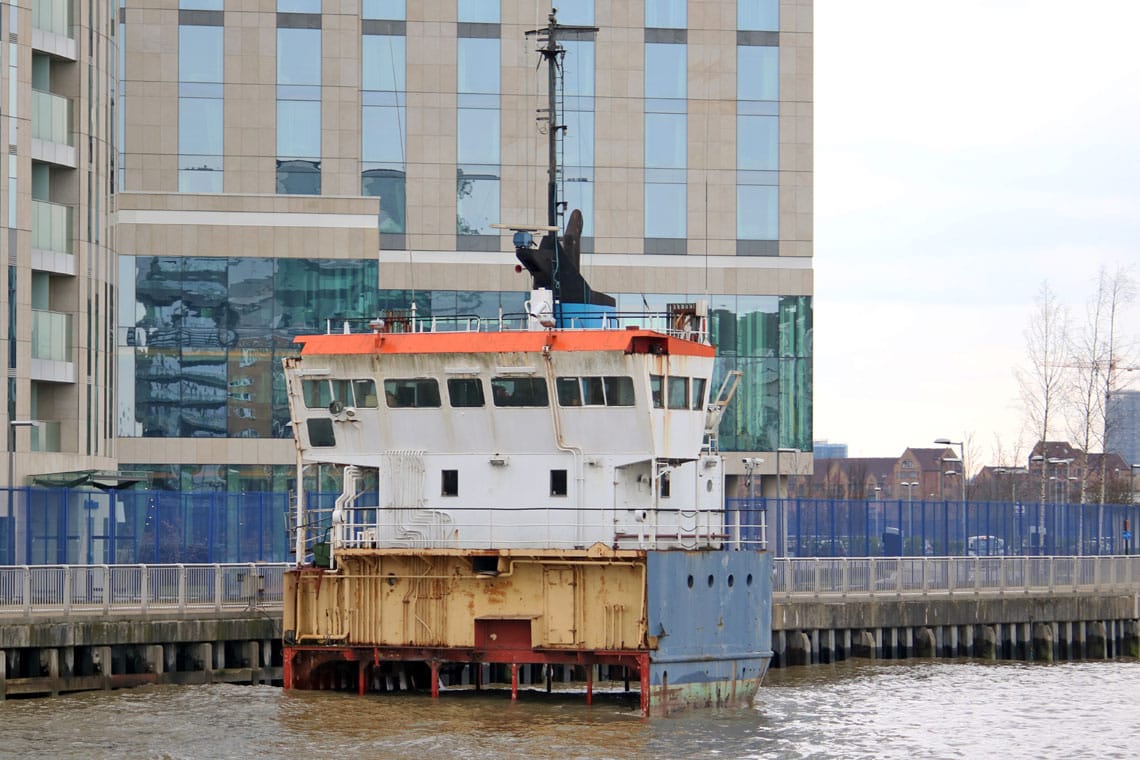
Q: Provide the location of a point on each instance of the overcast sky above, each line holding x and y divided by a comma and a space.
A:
964, 153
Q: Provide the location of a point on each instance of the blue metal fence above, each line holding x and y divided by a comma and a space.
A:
40, 526
874, 528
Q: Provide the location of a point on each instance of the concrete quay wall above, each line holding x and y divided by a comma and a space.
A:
45, 658
1046, 627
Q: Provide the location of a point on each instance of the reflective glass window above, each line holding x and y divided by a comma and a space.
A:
666, 71
383, 62
578, 68
298, 6
299, 128
200, 126
678, 393
699, 392
519, 391
364, 393
666, 14
758, 143
320, 431
577, 13
478, 65
394, 10
415, 392
465, 392
758, 15
757, 73
298, 56
298, 177
477, 200
593, 392
317, 393
619, 391
666, 145
200, 53
758, 212
480, 11
198, 5
478, 136
569, 391
665, 210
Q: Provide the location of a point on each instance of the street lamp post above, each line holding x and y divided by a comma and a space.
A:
962, 455
750, 464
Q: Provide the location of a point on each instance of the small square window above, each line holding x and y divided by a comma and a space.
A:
558, 482
450, 483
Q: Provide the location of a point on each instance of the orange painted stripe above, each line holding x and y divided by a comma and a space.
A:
497, 342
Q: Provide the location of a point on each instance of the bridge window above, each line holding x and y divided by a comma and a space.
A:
364, 392
317, 393
699, 392
655, 385
558, 482
592, 391
678, 393
569, 391
320, 431
519, 391
619, 391
465, 391
450, 483
420, 392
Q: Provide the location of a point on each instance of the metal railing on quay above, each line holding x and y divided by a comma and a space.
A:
84, 590
948, 576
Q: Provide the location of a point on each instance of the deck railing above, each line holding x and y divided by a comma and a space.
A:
74, 591
84, 590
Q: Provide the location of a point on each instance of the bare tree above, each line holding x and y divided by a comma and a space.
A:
1042, 382
1087, 350
1119, 290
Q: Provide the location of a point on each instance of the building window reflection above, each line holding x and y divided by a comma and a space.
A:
200, 105
384, 127
478, 139
298, 104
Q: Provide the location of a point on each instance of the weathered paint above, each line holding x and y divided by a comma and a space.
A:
710, 618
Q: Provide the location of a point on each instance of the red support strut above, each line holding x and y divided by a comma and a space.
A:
434, 679
514, 681
590, 684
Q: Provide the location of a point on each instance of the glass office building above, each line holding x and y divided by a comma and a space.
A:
284, 166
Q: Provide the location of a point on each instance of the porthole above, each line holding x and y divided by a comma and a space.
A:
731, 581
709, 485
748, 580
710, 581
690, 581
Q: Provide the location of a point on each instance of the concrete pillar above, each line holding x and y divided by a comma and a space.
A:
924, 643
986, 647
952, 646
893, 644
908, 642
219, 655
1132, 638
1042, 650
939, 649
846, 653
1096, 644
3, 675
170, 658
153, 656
780, 649
798, 649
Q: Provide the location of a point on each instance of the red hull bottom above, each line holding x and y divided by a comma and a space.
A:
344, 667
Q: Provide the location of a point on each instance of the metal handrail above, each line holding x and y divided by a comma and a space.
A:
863, 577
27, 591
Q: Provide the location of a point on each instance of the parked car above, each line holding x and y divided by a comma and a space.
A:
985, 546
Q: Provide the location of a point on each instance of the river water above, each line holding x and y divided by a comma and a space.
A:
928, 709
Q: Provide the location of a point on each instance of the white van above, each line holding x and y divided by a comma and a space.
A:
985, 546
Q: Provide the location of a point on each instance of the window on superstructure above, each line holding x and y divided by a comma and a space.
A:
569, 391
593, 393
320, 431
558, 482
663, 485
656, 382
699, 384
420, 392
364, 392
678, 393
342, 391
465, 392
317, 393
619, 391
519, 391
449, 483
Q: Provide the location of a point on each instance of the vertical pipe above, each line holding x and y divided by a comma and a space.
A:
361, 676
515, 681
590, 684
643, 671
435, 681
